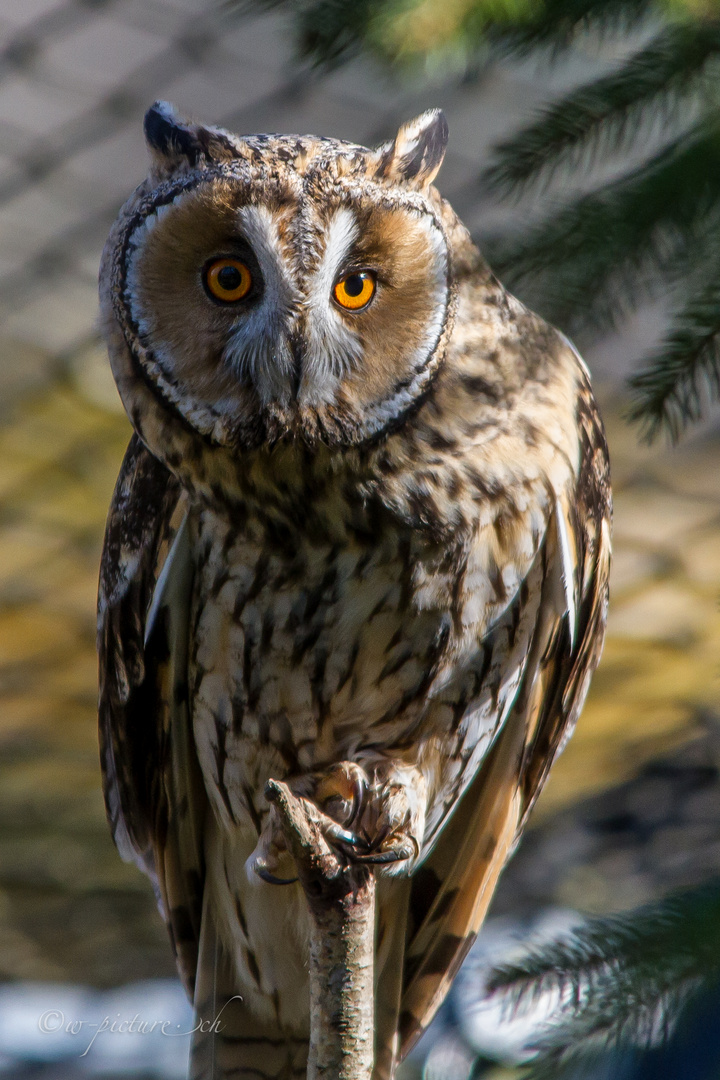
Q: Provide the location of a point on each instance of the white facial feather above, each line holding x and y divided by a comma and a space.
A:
258, 346
332, 347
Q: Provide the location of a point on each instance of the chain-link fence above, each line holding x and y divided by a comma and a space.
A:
75, 80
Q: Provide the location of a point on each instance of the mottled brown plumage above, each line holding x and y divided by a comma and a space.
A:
361, 551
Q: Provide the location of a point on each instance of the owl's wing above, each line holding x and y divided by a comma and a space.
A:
452, 890
153, 789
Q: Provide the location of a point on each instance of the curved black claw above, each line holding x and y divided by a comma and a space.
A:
359, 790
380, 858
272, 880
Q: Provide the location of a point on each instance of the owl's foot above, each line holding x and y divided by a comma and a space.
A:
383, 805
271, 852
267, 856
339, 792
372, 816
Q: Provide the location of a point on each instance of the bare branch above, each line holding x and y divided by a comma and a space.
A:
341, 899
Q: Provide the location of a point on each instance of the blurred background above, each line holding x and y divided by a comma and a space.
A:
632, 810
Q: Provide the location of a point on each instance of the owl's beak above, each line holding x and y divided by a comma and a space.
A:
297, 351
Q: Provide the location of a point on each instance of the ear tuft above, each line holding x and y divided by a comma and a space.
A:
169, 137
417, 152
174, 142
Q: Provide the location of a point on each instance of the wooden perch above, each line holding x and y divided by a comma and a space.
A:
341, 899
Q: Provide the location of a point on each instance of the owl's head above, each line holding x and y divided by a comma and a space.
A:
266, 287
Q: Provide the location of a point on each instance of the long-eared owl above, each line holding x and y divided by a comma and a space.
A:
360, 542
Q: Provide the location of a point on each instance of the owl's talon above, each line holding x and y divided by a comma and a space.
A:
358, 803
381, 858
342, 794
399, 850
271, 879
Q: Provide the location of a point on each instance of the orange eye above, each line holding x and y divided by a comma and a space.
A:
228, 280
355, 291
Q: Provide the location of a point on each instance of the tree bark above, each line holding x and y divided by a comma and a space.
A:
341, 899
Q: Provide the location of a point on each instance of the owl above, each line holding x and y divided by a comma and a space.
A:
360, 543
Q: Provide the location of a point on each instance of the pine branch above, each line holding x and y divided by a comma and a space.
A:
560, 21
327, 32
625, 978
330, 32
596, 258
603, 116
669, 392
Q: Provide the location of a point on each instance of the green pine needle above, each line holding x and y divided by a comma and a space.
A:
330, 32
669, 392
625, 978
597, 258
601, 118
562, 20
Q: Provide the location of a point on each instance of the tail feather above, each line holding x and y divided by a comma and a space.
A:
229, 1042
393, 903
